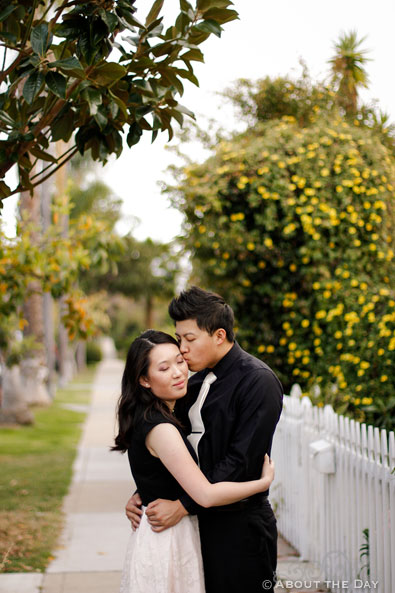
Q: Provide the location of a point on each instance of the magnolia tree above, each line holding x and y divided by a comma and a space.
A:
89, 71
295, 226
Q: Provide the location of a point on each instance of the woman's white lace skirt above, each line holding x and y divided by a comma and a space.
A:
166, 562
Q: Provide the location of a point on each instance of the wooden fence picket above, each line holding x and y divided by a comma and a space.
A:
332, 518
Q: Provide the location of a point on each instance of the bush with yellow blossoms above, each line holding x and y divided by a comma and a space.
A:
295, 227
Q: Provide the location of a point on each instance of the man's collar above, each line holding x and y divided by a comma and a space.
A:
223, 366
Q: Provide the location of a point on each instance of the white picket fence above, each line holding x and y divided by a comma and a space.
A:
324, 515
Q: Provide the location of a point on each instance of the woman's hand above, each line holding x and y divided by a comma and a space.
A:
268, 471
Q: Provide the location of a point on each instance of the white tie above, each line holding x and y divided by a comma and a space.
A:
195, 413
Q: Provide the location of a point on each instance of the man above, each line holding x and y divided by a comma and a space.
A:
231, 417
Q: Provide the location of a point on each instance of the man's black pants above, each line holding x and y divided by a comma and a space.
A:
239, 548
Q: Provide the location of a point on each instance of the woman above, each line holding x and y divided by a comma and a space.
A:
163, 464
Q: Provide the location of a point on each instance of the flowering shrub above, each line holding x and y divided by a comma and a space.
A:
295, 227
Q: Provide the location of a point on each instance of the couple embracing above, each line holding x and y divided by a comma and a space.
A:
199, 453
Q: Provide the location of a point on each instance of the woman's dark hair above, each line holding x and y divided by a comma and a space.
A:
210, 311
137, 402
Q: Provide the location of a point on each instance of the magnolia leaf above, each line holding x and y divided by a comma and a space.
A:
185, 110
67, 64
204, 5
56, 83
41, 154
32, 86
107, 74
4, 117
221, 15
193, 54
210, 26
63, 126
154, 12
41, 39
188, 75
101, 119
182, 22
134, 134
177, 116
184, 5
94, 99
4, 190
109, 19
7, 11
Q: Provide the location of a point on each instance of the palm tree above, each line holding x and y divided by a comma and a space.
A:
348, 71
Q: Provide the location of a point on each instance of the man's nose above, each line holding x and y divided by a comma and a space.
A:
183, 347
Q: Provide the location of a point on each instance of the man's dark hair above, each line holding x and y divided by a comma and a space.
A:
209, 310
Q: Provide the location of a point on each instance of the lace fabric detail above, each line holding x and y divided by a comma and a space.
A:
166, 562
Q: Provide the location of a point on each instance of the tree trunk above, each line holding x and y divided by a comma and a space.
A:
66, 360
80, 355
149, 312
34, 370
13, 404
48, 302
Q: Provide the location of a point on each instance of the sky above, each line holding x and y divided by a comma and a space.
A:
269, 39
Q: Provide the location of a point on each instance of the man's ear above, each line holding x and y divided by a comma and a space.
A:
144, 382
220, 335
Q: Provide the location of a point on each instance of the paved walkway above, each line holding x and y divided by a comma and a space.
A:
91, 550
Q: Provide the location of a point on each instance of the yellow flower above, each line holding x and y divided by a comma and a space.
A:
226, 255
250, 246
261, 265
365, 364
293, 268
202, 229
338, 334
383, 378
270, 348
246, 282
324, 172
261, 348
292, 346
263, 170
268, 242
339, 188
305, 323
320, 314
366, 401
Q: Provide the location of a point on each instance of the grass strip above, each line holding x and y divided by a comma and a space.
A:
36, 470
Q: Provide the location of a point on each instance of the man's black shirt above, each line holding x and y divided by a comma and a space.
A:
240, 415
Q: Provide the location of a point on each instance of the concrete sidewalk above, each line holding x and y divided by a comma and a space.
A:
92, 547
91, 551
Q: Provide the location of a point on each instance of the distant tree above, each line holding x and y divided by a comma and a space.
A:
348, 70
146, 271
60, 75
